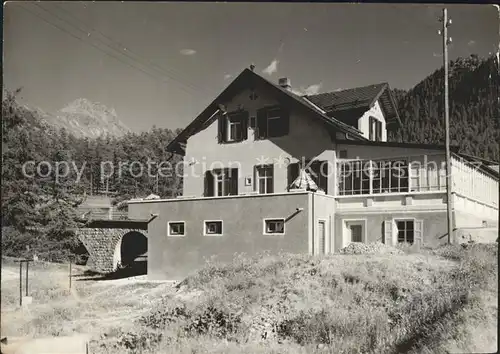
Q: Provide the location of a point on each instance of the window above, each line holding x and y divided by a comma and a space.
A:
415, 176
213, 228
354, 178
176, 228
221, 182
253, 122
375, 126
390, 176
233, 127
274, 226
405, 231
264, 177
372, 123
272, 122
378, 131
387, 177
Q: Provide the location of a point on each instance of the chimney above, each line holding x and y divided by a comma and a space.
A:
285, 83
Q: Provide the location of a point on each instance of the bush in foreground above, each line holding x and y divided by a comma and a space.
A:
368, 303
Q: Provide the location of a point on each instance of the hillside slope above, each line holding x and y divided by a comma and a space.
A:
474, 108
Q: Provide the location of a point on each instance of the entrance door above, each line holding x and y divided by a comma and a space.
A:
321, 237
356, 233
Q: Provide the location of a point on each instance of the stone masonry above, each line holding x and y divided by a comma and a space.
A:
103, 245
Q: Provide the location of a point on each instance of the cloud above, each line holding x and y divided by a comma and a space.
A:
272, 68
188, 51
309, 90
471, 42
313, 89
436, 55
227, 76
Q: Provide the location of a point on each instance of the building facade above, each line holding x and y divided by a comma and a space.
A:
267, 170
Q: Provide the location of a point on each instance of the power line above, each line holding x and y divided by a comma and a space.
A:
169, 73
62, 29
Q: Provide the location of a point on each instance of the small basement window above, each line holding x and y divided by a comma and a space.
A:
213, 228
274, 226
176, 228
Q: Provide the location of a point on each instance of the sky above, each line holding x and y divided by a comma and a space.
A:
163, 63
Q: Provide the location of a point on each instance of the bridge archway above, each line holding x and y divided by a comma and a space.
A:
110, 247
131, 245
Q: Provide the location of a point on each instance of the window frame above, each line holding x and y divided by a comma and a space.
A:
223, 176
266, 178
371, 128
169, 234
253, 122
264, 226
378, 131
229, 124
205, 224
383, 173
405, 220
364, 232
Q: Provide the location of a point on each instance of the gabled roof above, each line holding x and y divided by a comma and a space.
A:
249, 79
341, 103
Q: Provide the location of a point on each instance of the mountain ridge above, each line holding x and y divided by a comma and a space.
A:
84, 118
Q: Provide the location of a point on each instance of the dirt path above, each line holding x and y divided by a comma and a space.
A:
91, 307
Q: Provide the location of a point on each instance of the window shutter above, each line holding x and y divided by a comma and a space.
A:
293, 173
417, 233
388, 232
244, 125
262, 123
233, 173
270, 188
222, 129
209, 184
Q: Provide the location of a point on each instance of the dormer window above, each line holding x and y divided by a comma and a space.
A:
272, 122
233, 127
375, 133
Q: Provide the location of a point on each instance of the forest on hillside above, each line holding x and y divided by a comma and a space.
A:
43, 195
474, 108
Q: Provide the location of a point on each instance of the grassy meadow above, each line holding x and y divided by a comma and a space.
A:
430, 301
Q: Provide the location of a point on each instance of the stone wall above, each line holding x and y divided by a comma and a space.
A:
103, 245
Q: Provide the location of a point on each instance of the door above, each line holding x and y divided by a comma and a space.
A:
356, 233
321, 237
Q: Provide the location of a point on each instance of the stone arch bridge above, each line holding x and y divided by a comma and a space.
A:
114, 243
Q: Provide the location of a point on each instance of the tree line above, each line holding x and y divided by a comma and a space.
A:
40, 193
473, 102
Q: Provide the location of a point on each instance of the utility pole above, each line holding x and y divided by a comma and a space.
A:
446, 41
